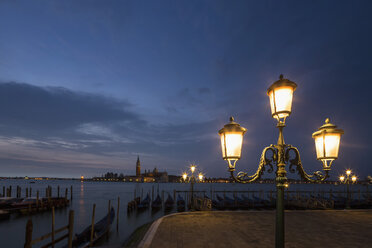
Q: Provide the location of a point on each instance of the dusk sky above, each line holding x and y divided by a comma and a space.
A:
86, 86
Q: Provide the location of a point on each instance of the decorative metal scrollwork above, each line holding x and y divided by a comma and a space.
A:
270, 161
243, 177
296, 161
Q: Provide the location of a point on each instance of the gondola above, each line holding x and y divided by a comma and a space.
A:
168, 205
242, 203
226, 202
340, 202
145, 203
156, 204
180, 203
263, 203
6, 202
101, 228
25, 203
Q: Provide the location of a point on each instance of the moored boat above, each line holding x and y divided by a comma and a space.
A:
6, 202
156, 204
180, 203
145, 203
26, 202
101, 228
168, 205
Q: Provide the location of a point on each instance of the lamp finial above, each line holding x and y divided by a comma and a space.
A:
231, 118
281, 76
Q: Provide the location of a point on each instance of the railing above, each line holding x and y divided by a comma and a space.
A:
69, 227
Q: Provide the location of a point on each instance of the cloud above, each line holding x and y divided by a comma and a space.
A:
99, 130
39, 109
55, 128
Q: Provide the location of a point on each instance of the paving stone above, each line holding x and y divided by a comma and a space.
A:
304, 229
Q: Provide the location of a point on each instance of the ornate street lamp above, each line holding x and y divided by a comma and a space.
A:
192, 179
281, 95
353, 179
346, 180
327, 141
231, 142
184, 176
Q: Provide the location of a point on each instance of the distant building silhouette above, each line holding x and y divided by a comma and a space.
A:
138, 167
148, 176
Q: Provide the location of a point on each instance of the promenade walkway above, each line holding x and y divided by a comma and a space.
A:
310, 228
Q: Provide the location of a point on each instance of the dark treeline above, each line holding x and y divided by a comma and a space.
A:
112, 175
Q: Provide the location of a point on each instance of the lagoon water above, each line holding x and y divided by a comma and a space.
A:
85, 194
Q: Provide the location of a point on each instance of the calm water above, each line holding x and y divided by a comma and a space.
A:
85, 194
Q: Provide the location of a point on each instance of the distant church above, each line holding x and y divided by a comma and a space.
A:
148, 176
138, 167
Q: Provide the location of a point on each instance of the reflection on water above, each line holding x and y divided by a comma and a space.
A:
85, 194
82, 208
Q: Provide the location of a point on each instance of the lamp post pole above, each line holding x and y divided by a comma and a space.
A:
348, 193
280, 179
327, 140
192, 180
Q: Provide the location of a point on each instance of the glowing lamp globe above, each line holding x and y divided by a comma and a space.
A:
354, 178
184, 176
231, 141
348, 172
327, 143
192, 168
281, 95
342, 178
200, 177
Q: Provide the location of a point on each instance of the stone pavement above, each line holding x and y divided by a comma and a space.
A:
309, 228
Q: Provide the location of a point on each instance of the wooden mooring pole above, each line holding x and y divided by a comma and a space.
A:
53, 223
109, 217
92, 229
71, 193
70, 228
28, 238
152, 193
162, 198
37, 198
117, 215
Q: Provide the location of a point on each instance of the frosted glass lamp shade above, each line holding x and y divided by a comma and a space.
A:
327, 142
232, 140
281, 96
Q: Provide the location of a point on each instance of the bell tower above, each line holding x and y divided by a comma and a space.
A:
138, 167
